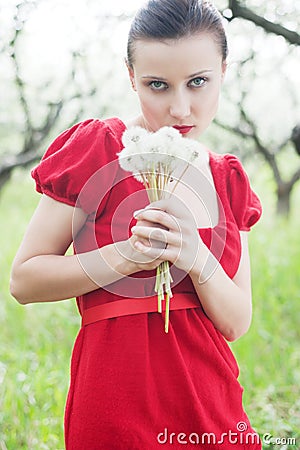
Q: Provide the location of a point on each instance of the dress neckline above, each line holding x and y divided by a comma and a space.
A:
215, 179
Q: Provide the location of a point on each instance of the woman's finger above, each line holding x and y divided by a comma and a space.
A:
161, 254
147, 223
156, 234
158, 216
175, 207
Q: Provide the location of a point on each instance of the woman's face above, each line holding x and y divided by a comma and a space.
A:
178, 82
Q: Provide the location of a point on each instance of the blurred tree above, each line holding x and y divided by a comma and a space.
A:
58, 64
34, 131
238, 10
263, 105
278, 46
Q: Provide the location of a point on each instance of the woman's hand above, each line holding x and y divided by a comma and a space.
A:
227, 302
142, 260
167, 230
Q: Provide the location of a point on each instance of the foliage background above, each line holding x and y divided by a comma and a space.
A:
76, 56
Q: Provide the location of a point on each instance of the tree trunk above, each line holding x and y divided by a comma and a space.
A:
284, 199
4, 177
9, 163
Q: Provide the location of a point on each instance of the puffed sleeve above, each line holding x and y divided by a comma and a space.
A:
245, 204
72, 159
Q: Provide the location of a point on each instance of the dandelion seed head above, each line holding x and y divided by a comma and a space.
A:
168, 133
145, 153
133, 135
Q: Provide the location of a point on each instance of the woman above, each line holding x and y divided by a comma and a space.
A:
132, 385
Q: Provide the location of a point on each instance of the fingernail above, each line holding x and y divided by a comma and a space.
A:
137, 212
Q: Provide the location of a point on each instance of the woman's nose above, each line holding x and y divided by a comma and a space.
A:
180, 107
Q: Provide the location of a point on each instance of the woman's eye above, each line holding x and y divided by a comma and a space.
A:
197, 82
158, 85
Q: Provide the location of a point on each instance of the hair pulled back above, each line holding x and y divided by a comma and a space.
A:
175, 19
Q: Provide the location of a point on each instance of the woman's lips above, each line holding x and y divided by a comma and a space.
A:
183, 129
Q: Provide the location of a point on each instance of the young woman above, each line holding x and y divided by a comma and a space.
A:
134, 387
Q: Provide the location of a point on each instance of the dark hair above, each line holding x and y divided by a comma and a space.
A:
174, 19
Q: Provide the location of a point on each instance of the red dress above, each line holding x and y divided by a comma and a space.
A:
133, 387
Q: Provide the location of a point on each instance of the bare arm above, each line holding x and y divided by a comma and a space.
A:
228, 303
42, 272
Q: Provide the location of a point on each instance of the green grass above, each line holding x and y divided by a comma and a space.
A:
36, 340
269, 353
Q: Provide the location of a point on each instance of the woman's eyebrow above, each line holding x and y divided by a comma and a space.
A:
190, 76
200, 73
154, 76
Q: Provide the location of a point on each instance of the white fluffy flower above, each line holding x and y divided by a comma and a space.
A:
160, 152
130, 159
168, 134
191, 150
133, 135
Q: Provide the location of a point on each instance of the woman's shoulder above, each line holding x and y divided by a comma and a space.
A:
113, 126
92, 129
84, 138
227, 167
75, 155
233, 182
225, 161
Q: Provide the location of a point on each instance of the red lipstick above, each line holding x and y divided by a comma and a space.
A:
183, 129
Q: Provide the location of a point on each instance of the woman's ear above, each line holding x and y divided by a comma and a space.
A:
131, 75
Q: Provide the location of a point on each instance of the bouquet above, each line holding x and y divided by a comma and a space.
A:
153, 158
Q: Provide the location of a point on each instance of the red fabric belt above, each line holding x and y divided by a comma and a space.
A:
136, 306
